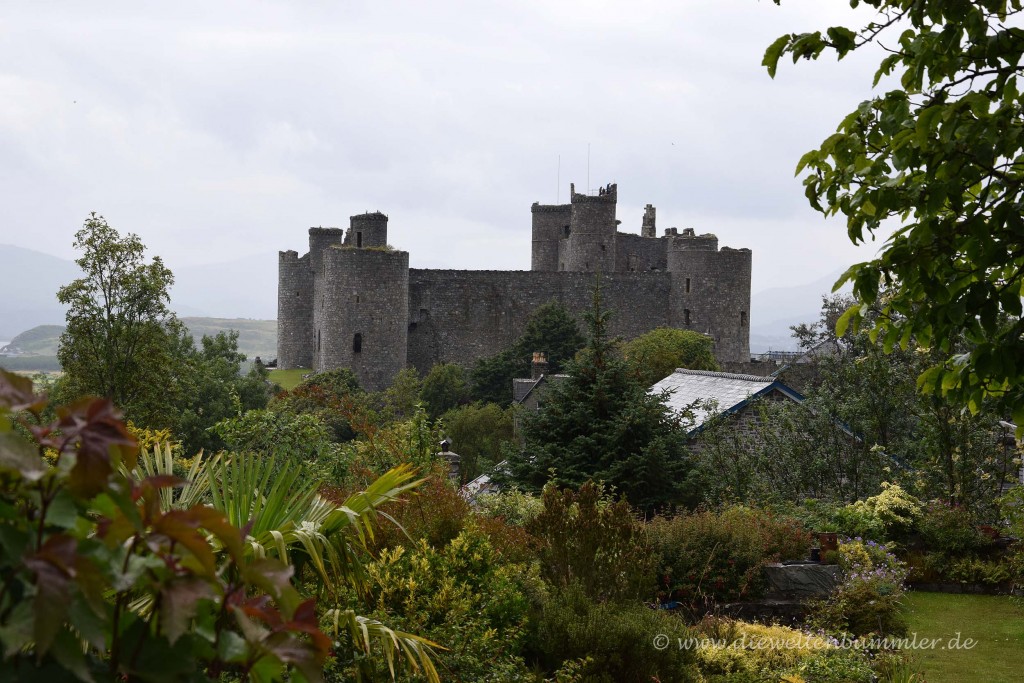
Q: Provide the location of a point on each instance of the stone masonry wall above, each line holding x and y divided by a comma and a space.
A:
361, 314
457, 316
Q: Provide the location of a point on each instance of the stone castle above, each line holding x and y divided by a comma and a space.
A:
353, 301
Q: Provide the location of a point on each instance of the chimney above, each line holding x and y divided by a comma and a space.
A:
539, 366
453, 459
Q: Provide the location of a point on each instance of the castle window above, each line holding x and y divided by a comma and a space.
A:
566, 230
686, 316
357, 343
318, 341
359, 239
687, 285
602, 247
743, 318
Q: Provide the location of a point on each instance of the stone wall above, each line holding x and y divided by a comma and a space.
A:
634, 253
457, 316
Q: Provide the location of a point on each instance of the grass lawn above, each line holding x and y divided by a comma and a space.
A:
288, 379
994, 621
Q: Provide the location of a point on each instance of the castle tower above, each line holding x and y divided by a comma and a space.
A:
367, 230
550, 226
711, 292
320, 239
361, 313
647, 228
294, 311
592, 226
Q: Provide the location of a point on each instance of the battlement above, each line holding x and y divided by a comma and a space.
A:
326, 232
550, 208
607, 194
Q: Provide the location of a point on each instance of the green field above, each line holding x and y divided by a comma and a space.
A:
288, 379
995, 622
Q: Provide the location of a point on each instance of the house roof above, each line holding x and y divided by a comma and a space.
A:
522, 388
728, 391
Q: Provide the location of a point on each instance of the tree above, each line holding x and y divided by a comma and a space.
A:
658, 353
121, 340
214, 389
938, 156
551, 330
600, 423
445, 387
478, 431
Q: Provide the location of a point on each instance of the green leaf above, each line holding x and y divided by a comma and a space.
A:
67, 650
843, 323
179, 598
17, 455
774, 52
53, 566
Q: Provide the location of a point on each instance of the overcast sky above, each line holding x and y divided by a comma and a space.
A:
217, 130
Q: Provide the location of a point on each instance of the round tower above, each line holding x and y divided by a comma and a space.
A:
320, 239
711, 292
361, 314
294, 311
367, 230
591, 244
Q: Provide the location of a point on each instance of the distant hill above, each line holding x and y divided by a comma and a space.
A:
772, 311
38, 341
29, 280
39, 344
28, 289
255, 337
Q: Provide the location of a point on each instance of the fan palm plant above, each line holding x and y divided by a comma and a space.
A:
285, 517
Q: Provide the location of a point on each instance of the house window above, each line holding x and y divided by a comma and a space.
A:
686, 316
359, 239
357, 343
687, 285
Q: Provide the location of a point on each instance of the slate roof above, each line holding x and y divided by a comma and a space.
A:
728, 390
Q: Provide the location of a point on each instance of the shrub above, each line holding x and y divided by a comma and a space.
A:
951, 530
514, 506
590, 540
868, 599
734, 650
434, 513
890, 515
101, 583
614, 640
461, 596
478, 432
716, 556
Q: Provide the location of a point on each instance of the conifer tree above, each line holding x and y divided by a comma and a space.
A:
601, 424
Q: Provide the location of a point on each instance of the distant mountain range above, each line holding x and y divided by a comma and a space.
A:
240, 288
773, 311
247, 288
